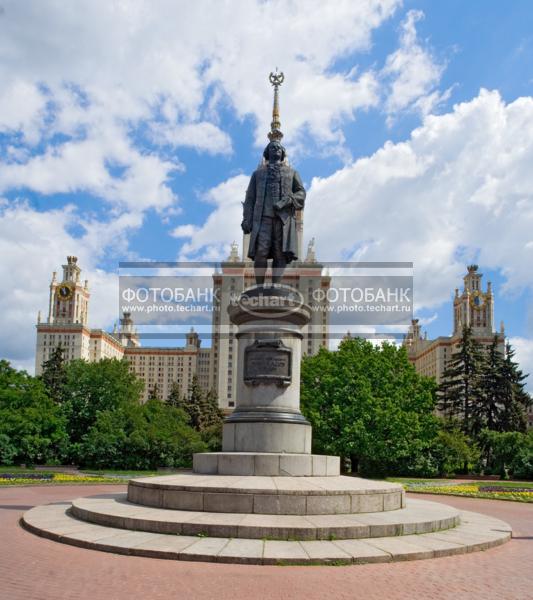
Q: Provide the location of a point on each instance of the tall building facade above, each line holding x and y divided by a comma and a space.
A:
473, 308
67, 326
160, 367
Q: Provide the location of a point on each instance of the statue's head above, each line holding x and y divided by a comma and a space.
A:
274, 152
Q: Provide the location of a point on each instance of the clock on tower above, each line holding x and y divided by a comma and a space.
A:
69, 299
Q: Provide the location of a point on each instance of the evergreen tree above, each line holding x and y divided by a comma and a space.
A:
514, 399
175, 397
460, 390
193, 403
54, 375
488, 410
200, 406
504, 400
211, 422
212, 416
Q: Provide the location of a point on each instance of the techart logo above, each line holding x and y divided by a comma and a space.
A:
274, 302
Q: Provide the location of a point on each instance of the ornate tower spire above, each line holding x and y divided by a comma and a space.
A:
275, 134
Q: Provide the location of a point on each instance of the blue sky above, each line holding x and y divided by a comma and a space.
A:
129, 131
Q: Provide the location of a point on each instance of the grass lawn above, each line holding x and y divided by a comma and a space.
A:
494, 490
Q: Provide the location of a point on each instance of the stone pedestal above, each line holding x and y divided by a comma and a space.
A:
267, 418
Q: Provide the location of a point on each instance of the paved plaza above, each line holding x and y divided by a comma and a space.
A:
40, 569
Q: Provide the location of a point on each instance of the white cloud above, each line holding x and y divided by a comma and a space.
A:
100, 65
428, 320
213, 239
202, 136
86, 165
32, 245
459, 190
82, 85
22, 107
412, 73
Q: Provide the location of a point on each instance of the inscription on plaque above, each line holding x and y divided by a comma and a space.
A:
267, 361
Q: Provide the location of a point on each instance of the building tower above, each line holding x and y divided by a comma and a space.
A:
192, 340
474, 308
69, 299
127, 334
66, 325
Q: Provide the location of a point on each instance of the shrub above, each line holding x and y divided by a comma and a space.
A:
144, 436
7, 450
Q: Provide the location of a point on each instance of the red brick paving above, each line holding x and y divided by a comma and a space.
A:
32, 568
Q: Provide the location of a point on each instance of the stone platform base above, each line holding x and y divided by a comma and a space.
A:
115, 511
267, 495
266, 464
56, 522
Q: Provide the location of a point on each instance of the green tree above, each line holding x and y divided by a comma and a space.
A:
487, 410
514, 399
453, 451
202, 411
141, 436
502, 447
8, 451
212, 416
175, 397
32, 428
368, 403
460, 391
54, 374
212, 420
193, 403
94, 387
522, 462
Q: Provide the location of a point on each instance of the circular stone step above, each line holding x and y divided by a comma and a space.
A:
267, 495
476, 532
115, 511
266, 464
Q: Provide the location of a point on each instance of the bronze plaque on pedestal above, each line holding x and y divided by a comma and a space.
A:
267, 361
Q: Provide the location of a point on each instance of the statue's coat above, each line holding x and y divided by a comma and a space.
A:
292, 198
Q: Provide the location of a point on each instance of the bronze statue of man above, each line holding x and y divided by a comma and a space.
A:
274, 194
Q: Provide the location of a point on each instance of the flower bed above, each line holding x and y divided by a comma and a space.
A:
32, 476
499, 488
473, 490
50, 479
